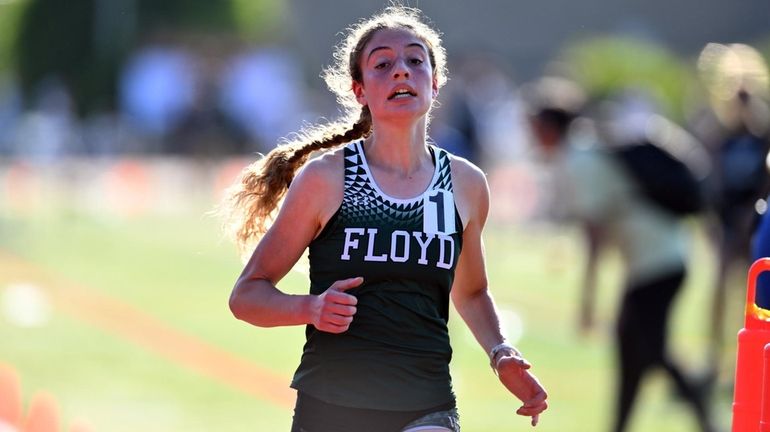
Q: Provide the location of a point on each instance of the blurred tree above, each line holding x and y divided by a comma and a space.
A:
604, 65
9, 17
196, 15
61, 40
259, 20
83, 43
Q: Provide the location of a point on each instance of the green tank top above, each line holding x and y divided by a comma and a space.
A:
396, 353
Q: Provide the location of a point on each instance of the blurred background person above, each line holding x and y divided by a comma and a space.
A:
569, 145
599, 192
736, 130
473, 119
261, 91
48, 131
157, 89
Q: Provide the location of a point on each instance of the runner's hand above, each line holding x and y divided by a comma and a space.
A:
333, 310
513, 373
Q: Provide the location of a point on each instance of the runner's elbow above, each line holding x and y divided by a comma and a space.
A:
238, 303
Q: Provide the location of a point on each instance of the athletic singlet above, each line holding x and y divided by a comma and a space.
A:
396, 353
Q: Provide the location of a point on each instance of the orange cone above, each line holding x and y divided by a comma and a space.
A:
747, 399
10, 397
764, 419
43, 415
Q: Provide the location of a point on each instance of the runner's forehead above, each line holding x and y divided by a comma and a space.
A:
391, 39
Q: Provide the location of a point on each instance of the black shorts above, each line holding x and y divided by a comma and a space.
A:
314, 415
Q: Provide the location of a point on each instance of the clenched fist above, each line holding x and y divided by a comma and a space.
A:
333, 310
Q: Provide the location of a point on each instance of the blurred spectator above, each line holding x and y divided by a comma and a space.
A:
482, 107
157, 90
203, 130
600, 194
261, 91
454, 126
105, 135
736, 129
49, 130
10, 112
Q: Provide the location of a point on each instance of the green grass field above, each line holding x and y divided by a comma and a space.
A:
180, 271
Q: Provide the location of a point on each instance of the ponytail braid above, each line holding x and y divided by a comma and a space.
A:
249, 205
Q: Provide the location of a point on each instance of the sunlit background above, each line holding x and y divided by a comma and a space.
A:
122, 121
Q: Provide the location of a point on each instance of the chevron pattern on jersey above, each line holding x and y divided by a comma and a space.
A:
362, 203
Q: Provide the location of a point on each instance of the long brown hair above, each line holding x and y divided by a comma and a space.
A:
251, 202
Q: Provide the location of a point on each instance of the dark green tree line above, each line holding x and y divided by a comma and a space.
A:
84, 43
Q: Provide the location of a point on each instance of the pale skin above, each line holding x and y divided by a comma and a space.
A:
394, 61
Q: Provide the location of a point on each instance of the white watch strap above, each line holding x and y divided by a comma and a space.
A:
504, 346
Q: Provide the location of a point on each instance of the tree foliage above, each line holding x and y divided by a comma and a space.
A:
9, 17
83, 43
605, 65
56, 41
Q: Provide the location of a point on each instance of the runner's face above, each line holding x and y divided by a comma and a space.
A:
397, 77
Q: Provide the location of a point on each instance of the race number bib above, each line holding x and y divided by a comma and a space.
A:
438, 212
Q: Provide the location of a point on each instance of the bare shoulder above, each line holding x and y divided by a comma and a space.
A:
471, 190
319, 185
322, 173
467, 176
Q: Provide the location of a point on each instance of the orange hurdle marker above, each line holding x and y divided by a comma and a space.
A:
752, 357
